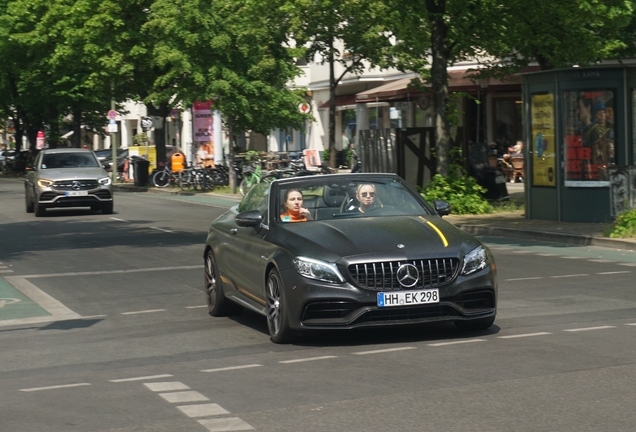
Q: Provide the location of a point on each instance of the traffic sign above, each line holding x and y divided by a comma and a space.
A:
174, 114
304, 107
112, 114
146, 123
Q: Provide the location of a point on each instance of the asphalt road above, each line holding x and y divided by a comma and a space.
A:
119, 339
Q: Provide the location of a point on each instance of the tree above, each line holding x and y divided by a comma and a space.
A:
348, 33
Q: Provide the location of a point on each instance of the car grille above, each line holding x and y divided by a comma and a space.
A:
382, 276
76, 185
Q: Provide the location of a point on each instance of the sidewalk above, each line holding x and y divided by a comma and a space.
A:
499, 224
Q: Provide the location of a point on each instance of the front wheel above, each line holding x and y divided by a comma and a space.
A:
107, 208
277, 315
161, 179
28, 202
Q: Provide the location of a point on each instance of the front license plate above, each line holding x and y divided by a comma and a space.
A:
76, 193
406, 298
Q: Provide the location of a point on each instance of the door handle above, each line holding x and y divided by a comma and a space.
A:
234, 231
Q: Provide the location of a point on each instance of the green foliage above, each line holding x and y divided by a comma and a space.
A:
624, 226
140, 139
460, 190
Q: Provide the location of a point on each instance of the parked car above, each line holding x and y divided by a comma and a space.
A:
396, 263
67, 177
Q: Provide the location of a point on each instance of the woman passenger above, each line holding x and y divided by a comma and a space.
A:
366, 197
293, 207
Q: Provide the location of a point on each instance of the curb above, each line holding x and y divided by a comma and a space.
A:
551, 237
145, 189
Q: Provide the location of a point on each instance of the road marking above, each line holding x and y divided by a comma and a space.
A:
521, 251
232, 368
528, 278
457, 342
307, 359
108, 272
589, 328
383, 351
202, 410
3, 267
196, 307
166, 386
628, 264
143, 378
547, 255
162, 230
118, 219
572, 257
225, 424
54, 387
567, 276
6, 271
8, 301
631, 324
524, 335
614, 272
45, 301
187, 396
600, 260
143, 311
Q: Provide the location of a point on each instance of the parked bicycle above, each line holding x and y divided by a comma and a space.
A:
252, 175
164, 177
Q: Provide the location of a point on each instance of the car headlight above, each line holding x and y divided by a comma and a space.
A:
316, 269
43, 183
476, 259
104, 181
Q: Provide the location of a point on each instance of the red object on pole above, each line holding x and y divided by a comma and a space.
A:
39, 142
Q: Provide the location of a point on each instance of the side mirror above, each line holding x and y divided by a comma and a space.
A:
443, 208
250, 218
29, 168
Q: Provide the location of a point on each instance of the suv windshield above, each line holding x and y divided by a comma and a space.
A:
69, 160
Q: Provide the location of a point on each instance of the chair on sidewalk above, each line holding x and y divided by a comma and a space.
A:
517, 168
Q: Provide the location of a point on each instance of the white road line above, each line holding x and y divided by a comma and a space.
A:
6, 271
166, 386
196, 307
54, 387
202, 410
383, 351
162, 230
225, 424
118, 219
567, 276
307, 359
528, 278
142, 378
628, 264
521, 251
143, 311
187, 396
232, 368
614, 272
109, 272
600, 260
524, 335
457, 342
3, 267
571, 257
547, 255
45, 301
589, 328
631, 324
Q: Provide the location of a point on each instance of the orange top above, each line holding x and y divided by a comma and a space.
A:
290, 217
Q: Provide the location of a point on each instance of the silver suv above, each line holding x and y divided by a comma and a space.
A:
67, 177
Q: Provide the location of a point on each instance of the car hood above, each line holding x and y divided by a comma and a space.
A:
379, 238
73, 173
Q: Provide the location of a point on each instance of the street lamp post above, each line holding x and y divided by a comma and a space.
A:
483, 83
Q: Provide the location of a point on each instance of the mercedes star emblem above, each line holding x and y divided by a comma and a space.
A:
408, 275
76, 185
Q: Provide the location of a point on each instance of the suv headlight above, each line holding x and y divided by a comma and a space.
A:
476, 259
316, 269
43, 183
104, 181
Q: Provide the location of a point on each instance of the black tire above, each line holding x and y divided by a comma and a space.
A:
28, 203
185, 180
475, 325
38, 209
107, 208
161, 179
277, 314
218, 305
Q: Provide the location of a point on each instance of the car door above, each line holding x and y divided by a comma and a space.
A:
242, 255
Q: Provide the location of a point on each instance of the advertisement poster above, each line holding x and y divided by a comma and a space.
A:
589, 137
543, 148
202, 122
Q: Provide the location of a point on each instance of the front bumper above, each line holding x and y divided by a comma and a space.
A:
49, 197
316, 305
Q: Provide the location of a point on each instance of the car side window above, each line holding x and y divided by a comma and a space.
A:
256, 198
36, 163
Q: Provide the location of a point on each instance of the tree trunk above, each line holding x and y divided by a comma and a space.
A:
332, 108
76, 140
230, 127
159, 135
439, 83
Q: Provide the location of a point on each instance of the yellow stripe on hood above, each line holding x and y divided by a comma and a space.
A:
437, 230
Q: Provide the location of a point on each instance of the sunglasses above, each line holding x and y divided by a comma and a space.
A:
366, 194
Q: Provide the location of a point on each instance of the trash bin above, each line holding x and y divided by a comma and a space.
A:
495, 184
140, 166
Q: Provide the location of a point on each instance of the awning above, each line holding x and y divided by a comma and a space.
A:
342, 102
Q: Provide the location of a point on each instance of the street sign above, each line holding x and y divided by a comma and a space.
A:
146, 123
112, 126
304, 107
174, 114
112, 114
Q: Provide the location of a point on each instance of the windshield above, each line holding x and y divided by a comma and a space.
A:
321, 199
69, 160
